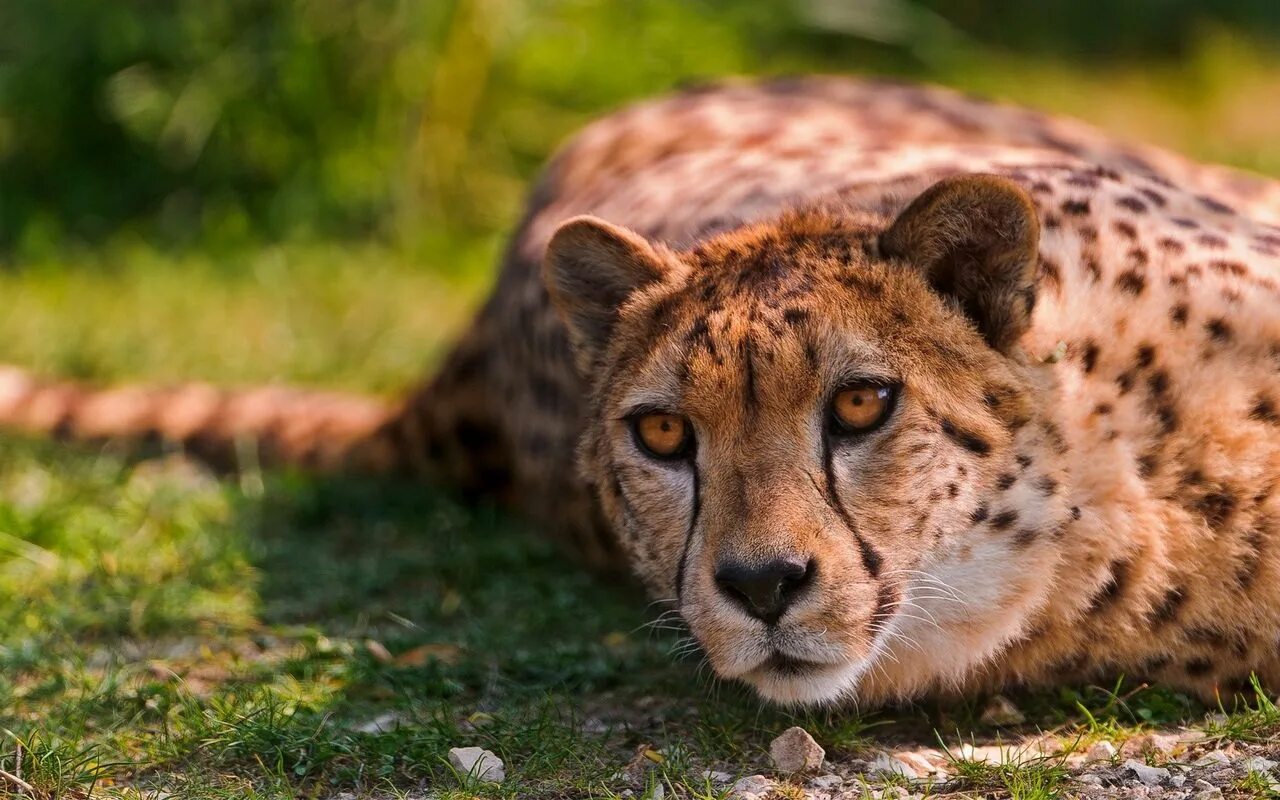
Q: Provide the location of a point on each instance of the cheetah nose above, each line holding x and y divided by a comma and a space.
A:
765, 591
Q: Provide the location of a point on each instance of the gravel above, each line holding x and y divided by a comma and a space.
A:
480, 764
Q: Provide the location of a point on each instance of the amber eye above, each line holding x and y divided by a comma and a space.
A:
860, 408
662, 435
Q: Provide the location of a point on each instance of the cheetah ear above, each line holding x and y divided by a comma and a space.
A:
590, 269
976, 239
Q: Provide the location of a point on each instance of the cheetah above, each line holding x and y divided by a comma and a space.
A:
889, 391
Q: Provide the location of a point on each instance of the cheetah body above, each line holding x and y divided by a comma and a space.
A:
1154, 348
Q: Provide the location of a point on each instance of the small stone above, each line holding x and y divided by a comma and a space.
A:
1257, 764
796, 751
1206, 791
478, 763
1090, 780
657, 792
1151, 776
1214, 758
752, 787
716, 777
826, 781
1176, 781
1100, 751
885, 764
1001, 711
1151, 744
383, 723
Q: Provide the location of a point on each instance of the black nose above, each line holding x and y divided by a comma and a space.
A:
765, 591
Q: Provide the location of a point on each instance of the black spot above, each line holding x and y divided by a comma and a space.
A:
1251, 561
979, 514
1167, 610
1075, 512
1075, 208
1112, 589
1047, 485
1234, 268
1125, 381
1089, 357
1023, 460
1092, 268
1050, 273
795, 316
1154, 196
1132, 204
1146, 355
1024, 537
1131, 282
1178, 315
1006, 480
952, 490
1146, 465
1125, 229
1004, 520
1214, 204
1216, 508
1264, 411
1198, 666
1102, 409
969, 441
1218, 330
1158, 383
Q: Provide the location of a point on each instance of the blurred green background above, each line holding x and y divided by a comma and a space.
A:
330, 181
219, 125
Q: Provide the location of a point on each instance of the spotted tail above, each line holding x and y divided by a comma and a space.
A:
324, 431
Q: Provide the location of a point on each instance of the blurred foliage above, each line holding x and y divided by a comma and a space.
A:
226, 124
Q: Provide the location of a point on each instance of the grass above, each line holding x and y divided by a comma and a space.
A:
163, 630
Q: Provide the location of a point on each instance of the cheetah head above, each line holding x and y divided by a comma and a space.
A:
797, 430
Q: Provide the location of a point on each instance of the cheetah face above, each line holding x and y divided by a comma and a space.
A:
792, 425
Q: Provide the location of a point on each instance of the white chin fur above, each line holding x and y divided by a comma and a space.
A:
814, 687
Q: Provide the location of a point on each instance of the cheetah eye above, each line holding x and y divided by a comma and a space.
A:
663, 436
861, 408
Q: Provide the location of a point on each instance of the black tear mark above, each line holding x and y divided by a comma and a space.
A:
694, 512
871, 560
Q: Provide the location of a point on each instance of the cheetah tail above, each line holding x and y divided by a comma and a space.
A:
323, 431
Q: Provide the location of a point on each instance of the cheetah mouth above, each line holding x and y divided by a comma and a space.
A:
783, 664
795, 681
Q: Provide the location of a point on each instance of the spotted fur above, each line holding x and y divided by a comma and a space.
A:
1077, 479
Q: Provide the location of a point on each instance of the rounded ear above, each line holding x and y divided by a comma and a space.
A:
590, 269
976, 238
